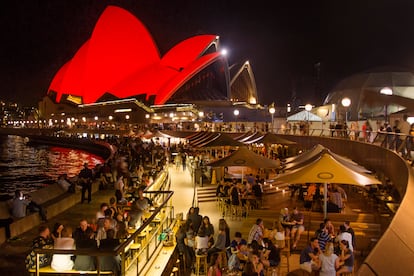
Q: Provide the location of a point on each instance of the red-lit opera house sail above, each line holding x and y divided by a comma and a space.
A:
121, 59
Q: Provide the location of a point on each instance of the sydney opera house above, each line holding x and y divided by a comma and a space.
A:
119, 70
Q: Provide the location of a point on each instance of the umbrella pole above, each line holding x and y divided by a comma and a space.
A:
325, 199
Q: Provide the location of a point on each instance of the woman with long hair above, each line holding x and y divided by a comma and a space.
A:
327, 261
214, 265
223, 225
206, 230
345, 262
190, 241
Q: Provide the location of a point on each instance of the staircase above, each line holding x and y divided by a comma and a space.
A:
206, 193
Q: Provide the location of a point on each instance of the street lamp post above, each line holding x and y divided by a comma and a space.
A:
346, 102
236, 113
386, 91
308, 108
272, 111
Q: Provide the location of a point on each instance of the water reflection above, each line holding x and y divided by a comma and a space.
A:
31, 167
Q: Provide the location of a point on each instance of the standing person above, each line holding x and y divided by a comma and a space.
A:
190, 243
298, 227
351, 231
328, 261
119, 189
43, 240
344, 235
196, 218
184, 160
140, 206
85, 178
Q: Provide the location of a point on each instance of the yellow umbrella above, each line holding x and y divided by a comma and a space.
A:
309, 156
326, 169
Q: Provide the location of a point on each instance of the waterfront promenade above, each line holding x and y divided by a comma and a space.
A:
13, 252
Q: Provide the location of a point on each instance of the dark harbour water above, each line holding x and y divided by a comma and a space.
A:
29, 168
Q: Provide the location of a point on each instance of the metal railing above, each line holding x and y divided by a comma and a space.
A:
136, 250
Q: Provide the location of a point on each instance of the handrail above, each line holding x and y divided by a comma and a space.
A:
161, 182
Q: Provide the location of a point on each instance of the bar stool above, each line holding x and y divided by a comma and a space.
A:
201, 261
181, 260
273, 270
223, 262
178, 266
284, 246
175, 271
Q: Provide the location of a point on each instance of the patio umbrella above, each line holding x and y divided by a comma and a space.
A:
270, 138
326, 169
220, 140
244, 157
309, 156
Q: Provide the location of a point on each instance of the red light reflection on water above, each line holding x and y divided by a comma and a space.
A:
71, 161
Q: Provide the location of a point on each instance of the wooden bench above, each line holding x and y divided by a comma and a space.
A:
52, 198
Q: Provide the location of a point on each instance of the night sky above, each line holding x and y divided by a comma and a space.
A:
286, 42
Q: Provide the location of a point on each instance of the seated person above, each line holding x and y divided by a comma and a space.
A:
64, 182
271, 254
219, 243
298, 227
21, 203
57, 231
284, 219
345, 260
84, 238
42, 241
63, 262
110, 262
309, 256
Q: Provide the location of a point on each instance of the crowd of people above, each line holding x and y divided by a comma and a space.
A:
103, 232
252, 255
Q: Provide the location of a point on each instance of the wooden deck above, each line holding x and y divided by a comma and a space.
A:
369, 221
